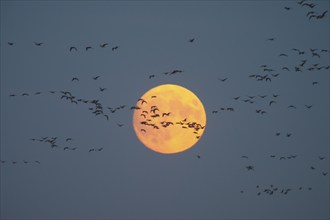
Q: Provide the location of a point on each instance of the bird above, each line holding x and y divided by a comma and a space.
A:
96, 77
312, 168
250, 167
25, 94
222, 80
68, 139
278, 134
198, 156
285, 68
73, 48
292, 106
114, 48
315, 83
120, 125
283, 55
321, 158
287, 8
191, 40
324, 173
271, 39
88, 48
38, 44
308, 106
102, 89
142, 101
104, 45
37, 161
10, 43
236, 98
272, 102
74, 78
288, 134
245, 157
151, 76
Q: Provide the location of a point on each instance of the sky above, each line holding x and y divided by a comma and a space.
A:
260, 161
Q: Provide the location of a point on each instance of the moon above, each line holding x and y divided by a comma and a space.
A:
169, 119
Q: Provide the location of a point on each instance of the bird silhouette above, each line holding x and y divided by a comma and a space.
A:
38, 44
102, 89
104, 45
223, 80
74, 78
88, 48
151, 76
250, 167
309, 106
73, 48
272, 102
96, 77
10, 43
287, 8
191, 40
114, 48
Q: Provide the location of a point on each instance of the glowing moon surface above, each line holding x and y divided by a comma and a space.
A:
169, 119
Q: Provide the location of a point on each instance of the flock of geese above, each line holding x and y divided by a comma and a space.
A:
308, 61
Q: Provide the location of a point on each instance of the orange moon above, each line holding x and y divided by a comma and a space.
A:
169, 119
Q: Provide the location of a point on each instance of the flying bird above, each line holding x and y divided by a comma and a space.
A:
10, 43
151, 76
38, 44
74, 78
191, 40
73, 48
250, 167
96, 77
104, 45
114, 48
272, 102
222, 80
102, 89
88, 48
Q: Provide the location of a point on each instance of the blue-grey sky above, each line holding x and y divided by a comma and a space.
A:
127, 180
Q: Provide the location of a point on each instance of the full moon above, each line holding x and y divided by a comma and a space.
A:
169, 119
